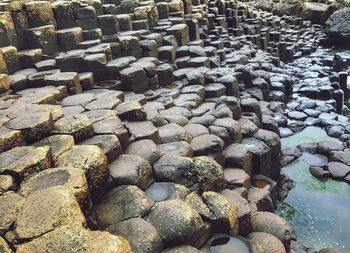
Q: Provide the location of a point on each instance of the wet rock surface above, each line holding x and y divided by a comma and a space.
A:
159, 122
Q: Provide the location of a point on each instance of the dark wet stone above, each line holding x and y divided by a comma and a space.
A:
173, 132
79, 99
122, 203
308, 147
319, 173
143, 237
292, 152
315, 160
79, 126
341, 156
147, 149
312, 113
287, 159
336, 131
326, 147
68, 79
238, 156
227, 129
310, 121
180, 148
236, 178
174, 168
101, 114
130, 169
261, 156
277, 106
131, 111
113, 126
297, 115
338, 170
261, 200
335, 27
195, 130
142, 130
248, 128
285, 132
108, 143
207, 144
251, 105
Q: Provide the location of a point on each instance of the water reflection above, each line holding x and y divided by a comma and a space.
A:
319, 211
221, 243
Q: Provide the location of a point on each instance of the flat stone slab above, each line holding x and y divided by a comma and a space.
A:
180, 148
131, 169
45, 210
79, 126
131, 111
10, 138
109, 143
143, 237
91, 160
65, 239
161, 191
315, 159
113, 126
143, 130
58, 144
122, 203
147, 149
33, 126
79, 99
70, 177
10, 205
22, 162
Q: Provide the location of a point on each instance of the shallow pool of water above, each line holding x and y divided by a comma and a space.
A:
318, 211
309, 134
